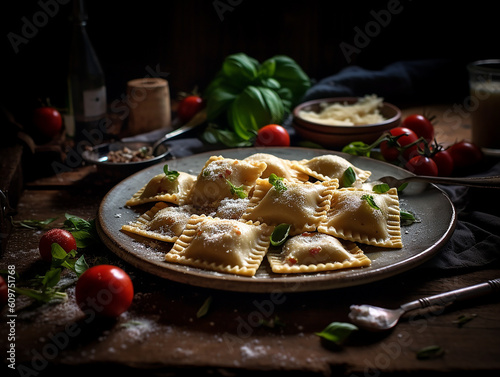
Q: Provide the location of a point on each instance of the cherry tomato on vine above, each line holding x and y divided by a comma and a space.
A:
48, 120
104, 290
391, 149
60, 236
465, 154
4, 296
420, 125
444, 163
272, 135
422, 165
189, 107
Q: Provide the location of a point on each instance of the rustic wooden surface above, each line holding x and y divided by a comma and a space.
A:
161, 334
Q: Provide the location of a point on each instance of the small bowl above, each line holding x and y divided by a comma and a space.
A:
118, 170
339, 136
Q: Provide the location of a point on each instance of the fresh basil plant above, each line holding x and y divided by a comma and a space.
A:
246, 95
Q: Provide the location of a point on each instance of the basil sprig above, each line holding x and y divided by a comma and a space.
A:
245, 95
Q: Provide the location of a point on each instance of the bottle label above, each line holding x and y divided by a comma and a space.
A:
94, 102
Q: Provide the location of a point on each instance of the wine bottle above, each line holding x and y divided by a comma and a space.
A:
86, 84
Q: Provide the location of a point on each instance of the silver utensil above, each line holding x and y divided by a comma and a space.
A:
197, 120
374, 318
485, 182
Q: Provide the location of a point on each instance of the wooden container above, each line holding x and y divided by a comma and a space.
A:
149, 103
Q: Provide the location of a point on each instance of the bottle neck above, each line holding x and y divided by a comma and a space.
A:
79, 13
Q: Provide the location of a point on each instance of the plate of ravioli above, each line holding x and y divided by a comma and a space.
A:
211, 220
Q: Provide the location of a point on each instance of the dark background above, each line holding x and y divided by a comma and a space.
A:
189, 39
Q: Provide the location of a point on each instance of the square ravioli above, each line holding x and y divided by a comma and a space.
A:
161, 188
364, 216
315, 252
220, 176
329, 167
279, 166
302, 205
162, 222
223, 245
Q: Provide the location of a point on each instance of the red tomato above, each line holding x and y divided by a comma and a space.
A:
272, 135
104, 290
189, 107
444, 163
420, 125
422, 165
4, 292
391, 150
60, 236
48, 120
465, 154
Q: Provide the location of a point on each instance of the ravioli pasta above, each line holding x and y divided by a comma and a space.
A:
222, 219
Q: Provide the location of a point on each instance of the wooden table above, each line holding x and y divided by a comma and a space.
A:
242, 332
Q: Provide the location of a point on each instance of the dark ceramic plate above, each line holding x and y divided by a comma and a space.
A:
421, 240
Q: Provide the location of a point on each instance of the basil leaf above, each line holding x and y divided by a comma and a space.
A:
371, 202
203, 310
348, 177
240, 68
238, 191
214, 135
220, 94
254, 108
357, 148
171, 175
430, 352
77, 223
279, 234
277, 182
34, 224
289, 74
81, 266
406, 218
51, 277
381, 188
337, 332
402, 187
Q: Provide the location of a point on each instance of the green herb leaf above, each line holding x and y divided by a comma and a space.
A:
337, 332
348, 177
51, 278
84, 231
272, 323
171, 175
430, 352
463, 319
277, 183
41, 296
203, 310
81, 266
357, 148
381, 188
406, 218
238, 191
371, 201
289, 74
34, 224
402, 187
252, 109
279, 234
